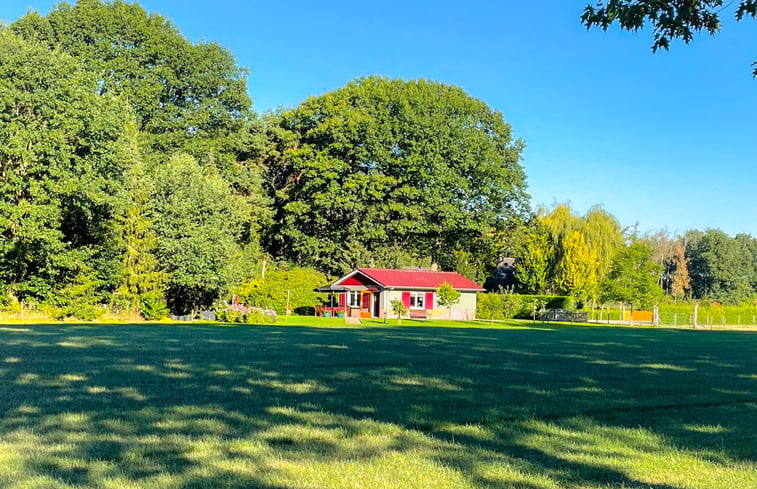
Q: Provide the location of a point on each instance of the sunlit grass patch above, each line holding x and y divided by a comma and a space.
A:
205, 406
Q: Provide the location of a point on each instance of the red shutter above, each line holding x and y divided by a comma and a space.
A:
342, 299
429, 304
406, 299
367, 301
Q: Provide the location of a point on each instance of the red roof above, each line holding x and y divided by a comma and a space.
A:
416, 279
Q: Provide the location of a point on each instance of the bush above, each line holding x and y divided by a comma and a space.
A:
498, 306
507, 306
239, 313
271, 292
153, 306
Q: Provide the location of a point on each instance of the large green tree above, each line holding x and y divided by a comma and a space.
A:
60, 170
415, 165
720, 267
189, 97
670, 19
199, 225
633, 277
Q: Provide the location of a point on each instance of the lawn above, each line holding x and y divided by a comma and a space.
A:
212, 406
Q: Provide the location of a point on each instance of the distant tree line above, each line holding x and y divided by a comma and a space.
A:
136, 177
594, 260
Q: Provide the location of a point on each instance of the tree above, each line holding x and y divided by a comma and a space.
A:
577, 269
199, 224
680, 283
141, 287
721, 268
604, 236
536, 255
415, 165
398, 308
447, 296
60, 171
187, 97
633, 278
672, 19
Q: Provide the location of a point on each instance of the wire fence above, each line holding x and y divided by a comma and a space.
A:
706, 318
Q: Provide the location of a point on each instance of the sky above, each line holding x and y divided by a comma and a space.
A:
664, 141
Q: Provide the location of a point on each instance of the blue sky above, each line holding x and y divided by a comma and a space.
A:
668, 140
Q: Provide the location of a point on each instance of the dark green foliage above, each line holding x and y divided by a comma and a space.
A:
60, 170
669, 19
142, 281
721, 268
271, 291
187, 97
418, 166
633, 278
199, 224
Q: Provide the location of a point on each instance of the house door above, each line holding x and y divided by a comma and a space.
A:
376, 304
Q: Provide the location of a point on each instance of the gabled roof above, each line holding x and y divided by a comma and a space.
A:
414, 279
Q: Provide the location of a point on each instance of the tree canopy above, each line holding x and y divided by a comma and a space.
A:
391, 164
672, 19
187, 97
61, 169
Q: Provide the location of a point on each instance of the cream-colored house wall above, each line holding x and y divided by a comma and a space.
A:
464, 309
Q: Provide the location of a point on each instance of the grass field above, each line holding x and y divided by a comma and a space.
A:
211, 406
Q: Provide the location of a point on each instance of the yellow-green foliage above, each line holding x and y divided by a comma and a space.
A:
271, 292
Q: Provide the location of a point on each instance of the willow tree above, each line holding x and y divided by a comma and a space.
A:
577, 270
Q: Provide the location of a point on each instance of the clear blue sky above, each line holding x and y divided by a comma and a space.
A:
666, 140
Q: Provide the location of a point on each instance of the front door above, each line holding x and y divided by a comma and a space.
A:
376, 304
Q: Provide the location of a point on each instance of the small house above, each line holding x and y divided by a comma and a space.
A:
369, 292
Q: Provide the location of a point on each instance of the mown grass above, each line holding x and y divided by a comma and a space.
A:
211, 406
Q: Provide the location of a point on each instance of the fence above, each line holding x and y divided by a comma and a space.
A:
706, 317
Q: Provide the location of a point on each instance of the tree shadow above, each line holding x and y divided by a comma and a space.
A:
241, 406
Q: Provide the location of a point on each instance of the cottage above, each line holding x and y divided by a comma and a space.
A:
369, 292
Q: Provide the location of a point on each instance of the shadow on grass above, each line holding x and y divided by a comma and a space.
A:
209, 406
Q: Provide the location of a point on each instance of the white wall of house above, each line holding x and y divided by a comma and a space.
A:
465, 309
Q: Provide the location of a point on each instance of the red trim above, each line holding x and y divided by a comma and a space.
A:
417, 279
342, 299
406, 299
429, 303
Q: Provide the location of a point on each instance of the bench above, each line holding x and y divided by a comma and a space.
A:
419, 314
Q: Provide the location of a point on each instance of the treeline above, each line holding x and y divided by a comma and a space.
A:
137, 178
593, 259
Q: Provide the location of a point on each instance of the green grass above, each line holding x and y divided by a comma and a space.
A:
212, 406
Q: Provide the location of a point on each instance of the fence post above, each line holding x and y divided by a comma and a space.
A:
696, 312
656, 316
675, 319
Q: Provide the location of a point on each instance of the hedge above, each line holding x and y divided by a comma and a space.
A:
506, 306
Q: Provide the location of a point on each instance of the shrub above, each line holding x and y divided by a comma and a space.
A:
271, 292
239, 313
507, 306
153, 306
498, 306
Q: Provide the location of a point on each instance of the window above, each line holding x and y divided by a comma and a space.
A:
353, 298
417, 299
